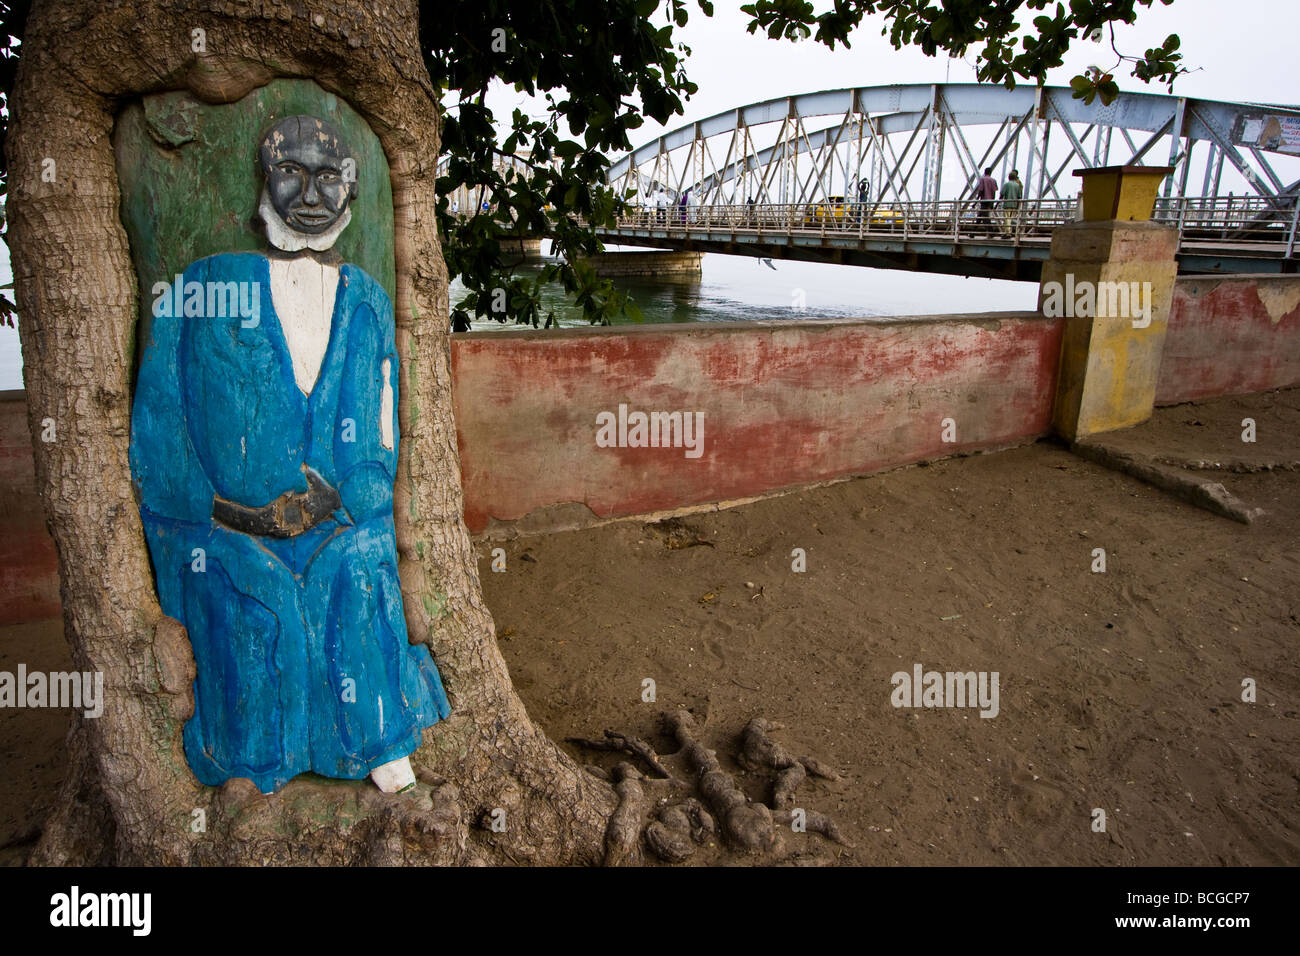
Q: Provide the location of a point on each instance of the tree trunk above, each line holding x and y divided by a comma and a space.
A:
130, 797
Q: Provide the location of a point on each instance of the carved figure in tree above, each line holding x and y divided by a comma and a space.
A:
264, 448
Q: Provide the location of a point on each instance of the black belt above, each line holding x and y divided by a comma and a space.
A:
290, 514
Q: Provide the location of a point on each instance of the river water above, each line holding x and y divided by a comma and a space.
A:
736, 288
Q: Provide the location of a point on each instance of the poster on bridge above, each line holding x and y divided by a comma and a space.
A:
1275, 132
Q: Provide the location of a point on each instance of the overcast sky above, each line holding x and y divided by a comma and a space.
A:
1246, 50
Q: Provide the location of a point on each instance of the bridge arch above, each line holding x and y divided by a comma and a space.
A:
810, 147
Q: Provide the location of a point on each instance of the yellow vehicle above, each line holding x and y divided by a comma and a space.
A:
885, 217
836, 207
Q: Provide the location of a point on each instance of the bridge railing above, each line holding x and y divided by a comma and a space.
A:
1228, 219
946, 218
1221, 219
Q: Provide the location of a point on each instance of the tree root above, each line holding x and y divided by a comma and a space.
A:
758, 751
811, 821
698, 819
679, 827
633, 745
683, 823
623, 834
669, 843
745, 824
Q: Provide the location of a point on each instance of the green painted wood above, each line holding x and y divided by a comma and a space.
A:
190, 181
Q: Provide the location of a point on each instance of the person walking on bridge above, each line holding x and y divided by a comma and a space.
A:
1012, 193
986, 191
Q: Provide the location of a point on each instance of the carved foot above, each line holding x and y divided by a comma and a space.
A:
394, 776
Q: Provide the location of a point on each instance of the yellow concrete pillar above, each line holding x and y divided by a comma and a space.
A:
1112, 282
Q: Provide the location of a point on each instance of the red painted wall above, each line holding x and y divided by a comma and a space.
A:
1230, 336
29, 567
784, 403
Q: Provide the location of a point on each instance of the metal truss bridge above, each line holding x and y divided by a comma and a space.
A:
885, 176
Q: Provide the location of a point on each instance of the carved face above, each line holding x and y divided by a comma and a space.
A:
310, 173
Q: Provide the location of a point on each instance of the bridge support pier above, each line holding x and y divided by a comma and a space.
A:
1113, 283
663, 265
527, 248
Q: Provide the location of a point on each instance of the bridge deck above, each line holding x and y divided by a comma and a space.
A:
938, 237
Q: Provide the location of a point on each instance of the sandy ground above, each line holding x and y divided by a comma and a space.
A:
33, 758
1119, 690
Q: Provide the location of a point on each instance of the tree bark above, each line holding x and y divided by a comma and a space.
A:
130, 797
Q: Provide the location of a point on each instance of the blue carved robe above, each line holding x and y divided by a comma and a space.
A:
300, 643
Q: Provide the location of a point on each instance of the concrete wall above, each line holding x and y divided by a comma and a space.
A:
1229, 336
29, 569
784, 404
